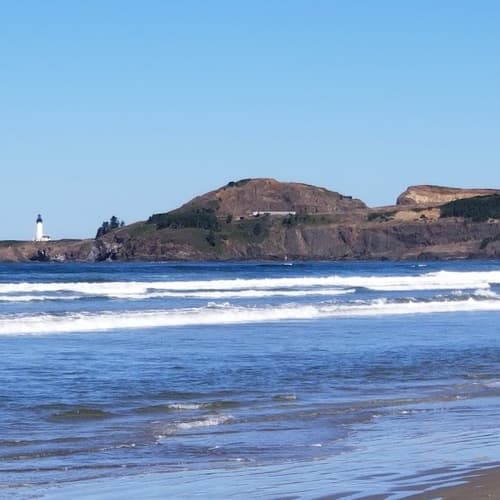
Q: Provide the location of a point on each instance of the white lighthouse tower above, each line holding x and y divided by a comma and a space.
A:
39, 236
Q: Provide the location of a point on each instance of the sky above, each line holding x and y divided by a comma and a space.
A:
130, 108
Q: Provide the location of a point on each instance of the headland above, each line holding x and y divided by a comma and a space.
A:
263, 219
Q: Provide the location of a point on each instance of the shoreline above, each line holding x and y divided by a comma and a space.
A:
477, 484
468, 484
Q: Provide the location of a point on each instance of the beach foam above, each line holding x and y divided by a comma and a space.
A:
214, 314
208, 421
328, 285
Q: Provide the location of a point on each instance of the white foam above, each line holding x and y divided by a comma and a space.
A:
254, 293
208, 421
12, 292
205, 422
494, 383
214, 314
486, 293
36, 298
184, 406
320, 285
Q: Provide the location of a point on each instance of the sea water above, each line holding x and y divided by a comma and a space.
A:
157, 380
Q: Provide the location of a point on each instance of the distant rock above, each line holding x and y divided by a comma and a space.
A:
437, 195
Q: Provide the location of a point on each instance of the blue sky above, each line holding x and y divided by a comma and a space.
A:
132, 108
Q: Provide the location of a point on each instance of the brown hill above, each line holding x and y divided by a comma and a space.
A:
246, 196
437, 195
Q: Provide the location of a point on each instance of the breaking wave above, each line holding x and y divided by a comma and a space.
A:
210, 295
178, 407
220, 314
208, 421
248, 288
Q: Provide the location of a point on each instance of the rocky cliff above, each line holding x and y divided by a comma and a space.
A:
435, 195
49, 251
294, 221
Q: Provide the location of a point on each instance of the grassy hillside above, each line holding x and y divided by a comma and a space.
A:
478, 208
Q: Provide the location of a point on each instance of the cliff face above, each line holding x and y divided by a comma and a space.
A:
326, 226
53, 251
439, 239
451, 240
436, 195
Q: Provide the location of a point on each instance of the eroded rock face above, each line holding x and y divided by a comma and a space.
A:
437, 195
53, 251
440, 239
443, 239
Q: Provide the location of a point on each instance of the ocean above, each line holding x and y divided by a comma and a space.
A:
247, 380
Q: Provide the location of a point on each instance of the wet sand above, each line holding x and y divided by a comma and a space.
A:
478, 485
481, 484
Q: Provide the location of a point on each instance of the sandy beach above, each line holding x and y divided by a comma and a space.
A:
481, 484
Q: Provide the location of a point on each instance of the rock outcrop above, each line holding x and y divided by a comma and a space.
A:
437, 195
50, 251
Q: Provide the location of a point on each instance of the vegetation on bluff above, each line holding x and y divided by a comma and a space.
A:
381, 216
198, 218
478, 208
239, 183
108, 226
204, 228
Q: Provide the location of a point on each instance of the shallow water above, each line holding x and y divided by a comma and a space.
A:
304, 379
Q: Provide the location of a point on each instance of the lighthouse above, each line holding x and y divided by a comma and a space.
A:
39, 236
